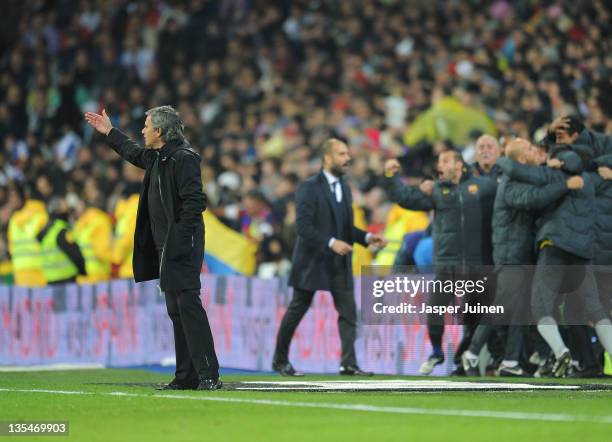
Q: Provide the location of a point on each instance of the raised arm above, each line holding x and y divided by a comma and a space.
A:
127, 148
529, 197
536, 175
408, 197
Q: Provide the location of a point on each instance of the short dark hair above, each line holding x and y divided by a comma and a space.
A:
543, 145
574, 125
293, 178
257, 195
456, 155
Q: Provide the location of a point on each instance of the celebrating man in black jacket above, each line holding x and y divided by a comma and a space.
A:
463, 206
169, 236
322, 256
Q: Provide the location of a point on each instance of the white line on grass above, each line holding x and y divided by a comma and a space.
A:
512, 415
50, 367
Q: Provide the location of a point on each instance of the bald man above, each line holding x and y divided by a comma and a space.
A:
322, 256
515, 210
565, 237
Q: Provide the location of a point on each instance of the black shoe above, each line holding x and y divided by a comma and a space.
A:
459, 371
286, 369
209, 384
545, 369
511, 372
176, 385
470, 363
562, 364
354, 370
585, 373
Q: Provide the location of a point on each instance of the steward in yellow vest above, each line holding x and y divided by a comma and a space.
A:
93, 231
62, 260
123, 244
400, 222
25, 250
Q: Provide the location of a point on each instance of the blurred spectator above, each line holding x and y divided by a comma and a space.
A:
93, 232
25, 250
125, 221
261, 84
62, 259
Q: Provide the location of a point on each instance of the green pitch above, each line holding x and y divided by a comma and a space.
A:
120, 405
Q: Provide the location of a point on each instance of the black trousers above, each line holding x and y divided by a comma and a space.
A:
435, 323
344, 302
603, 276
193, 340
560, 272
513, 291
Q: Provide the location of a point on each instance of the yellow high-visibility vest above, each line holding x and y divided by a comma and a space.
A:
399, 222
607, 364
25, 250
92, 232
57, 266
123, 241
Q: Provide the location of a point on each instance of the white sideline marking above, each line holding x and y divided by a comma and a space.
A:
395, 384
49, 367
512, 415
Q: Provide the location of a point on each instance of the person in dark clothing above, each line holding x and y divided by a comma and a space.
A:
571, 130
580, 337
62, 257
603, 229
169, 236
322, 256
565, 241
463, 206
514, 216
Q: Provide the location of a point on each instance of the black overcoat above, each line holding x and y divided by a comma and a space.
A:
183, 200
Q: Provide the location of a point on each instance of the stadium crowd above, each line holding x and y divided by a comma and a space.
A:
260, 85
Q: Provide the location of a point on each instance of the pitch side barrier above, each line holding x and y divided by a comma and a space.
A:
120, 323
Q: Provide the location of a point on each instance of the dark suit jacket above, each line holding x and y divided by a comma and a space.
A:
313, 266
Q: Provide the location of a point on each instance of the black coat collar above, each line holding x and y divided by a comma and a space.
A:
170, 148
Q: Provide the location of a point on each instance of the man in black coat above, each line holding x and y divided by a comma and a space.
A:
169, 236
322, 256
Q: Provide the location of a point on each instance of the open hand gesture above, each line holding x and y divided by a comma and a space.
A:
101, 123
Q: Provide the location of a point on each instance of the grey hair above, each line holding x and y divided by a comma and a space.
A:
168, 120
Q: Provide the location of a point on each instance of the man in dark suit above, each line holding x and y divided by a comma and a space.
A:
322, 256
